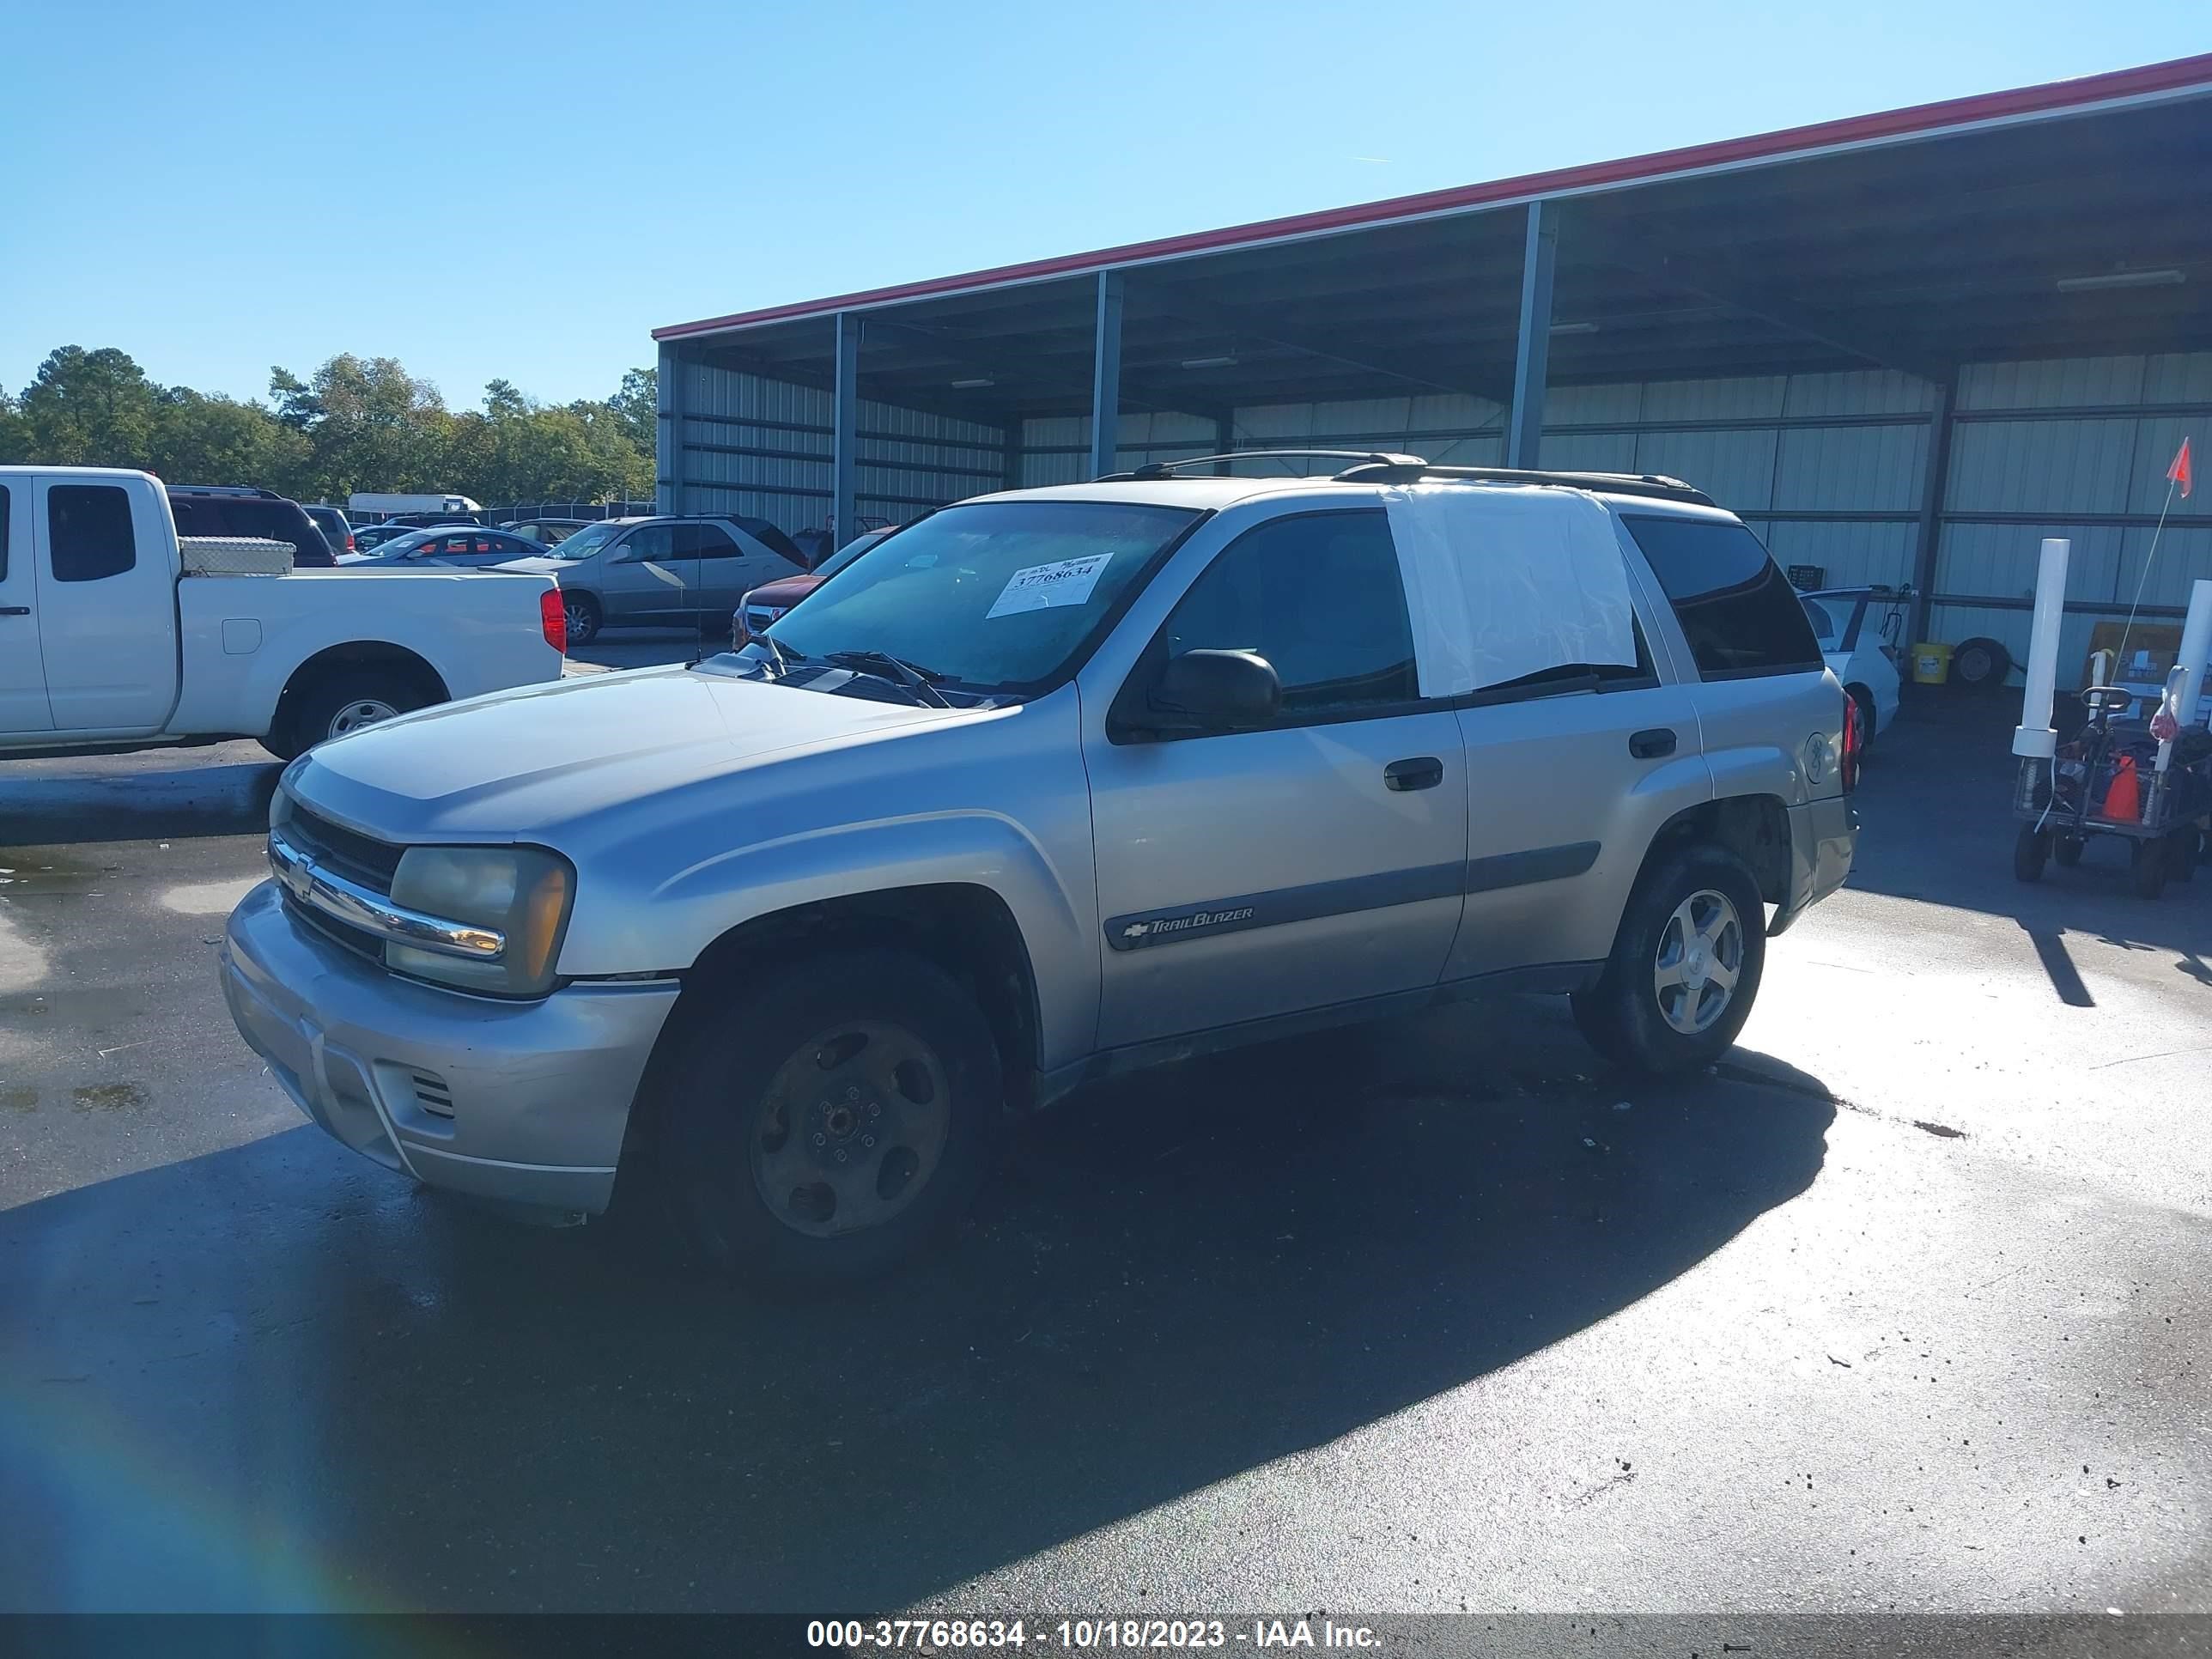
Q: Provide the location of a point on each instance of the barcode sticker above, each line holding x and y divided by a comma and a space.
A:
1042, 587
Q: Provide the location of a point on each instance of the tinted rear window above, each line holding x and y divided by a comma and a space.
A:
257, 516
1736, 608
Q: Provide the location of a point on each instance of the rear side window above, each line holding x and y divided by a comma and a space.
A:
1320, 597
1736, 608
704, 541
89, 534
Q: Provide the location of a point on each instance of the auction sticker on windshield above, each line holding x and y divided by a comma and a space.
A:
1042, 587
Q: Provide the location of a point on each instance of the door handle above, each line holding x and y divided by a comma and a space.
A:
1421, 772
1652, 744
14, 610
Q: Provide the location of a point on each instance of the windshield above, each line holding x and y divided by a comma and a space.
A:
585, 541
851, 551
995, 596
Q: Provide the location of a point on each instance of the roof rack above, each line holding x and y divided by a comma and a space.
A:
243, 492
1402, 470
1152, 471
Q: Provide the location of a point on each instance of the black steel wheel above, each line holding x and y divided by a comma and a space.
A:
2030, 852
2147, 866
822, 1126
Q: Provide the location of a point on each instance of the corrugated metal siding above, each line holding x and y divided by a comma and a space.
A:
760, 446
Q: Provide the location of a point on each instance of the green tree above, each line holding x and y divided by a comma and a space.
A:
198, 439
90, 409
636, 406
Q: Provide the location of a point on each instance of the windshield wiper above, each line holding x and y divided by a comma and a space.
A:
920, 681
783, 659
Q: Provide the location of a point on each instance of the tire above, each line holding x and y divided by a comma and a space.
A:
1864, 699
582, 612
347, 701
2030, 853
1981, 664
1626, 1015
2182, 852
2067, 849
2147, 867
910, 1049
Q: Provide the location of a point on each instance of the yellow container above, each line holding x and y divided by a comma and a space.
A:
1932, 664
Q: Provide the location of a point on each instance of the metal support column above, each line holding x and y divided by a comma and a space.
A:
668, 434
844, 429
1010, 473
1937, 479
1224, 440
1106, 376
1532, 352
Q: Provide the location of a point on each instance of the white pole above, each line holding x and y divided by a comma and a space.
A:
2034, 737
2196, 648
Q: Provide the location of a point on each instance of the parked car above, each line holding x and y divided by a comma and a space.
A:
243, 510
333, 523
473, 549
770, 600
110, 637
654, 571
370, 537
1864, 658
1125, 772
546, 533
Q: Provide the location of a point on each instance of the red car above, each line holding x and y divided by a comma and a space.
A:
771, 599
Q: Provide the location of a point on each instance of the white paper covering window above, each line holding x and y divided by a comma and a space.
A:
1503, 582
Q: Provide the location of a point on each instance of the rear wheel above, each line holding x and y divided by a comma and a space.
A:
2067, 849
1684, 966
581, 612
2147, 866
2030, 852
826, 1128
345, 701
2181, 853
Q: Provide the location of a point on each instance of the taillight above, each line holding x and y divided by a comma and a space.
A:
553, 620
1852, 738
349, 546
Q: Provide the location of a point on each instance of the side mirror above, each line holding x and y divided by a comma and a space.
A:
1218, 691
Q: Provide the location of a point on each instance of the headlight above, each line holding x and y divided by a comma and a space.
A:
523, 892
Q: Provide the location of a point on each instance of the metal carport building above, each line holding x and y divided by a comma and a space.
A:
1904, 347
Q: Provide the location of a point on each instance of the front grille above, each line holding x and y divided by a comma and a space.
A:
359, 940
357, 857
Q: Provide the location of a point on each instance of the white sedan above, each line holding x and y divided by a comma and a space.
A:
1865, 658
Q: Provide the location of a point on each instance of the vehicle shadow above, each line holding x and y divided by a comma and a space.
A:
57, 804
275, 1376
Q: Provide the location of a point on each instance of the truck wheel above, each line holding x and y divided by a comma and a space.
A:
2067, 849
2031, 851
823, 1129
582, 611
2182, 853
343, 703
1684, 966
2147, 866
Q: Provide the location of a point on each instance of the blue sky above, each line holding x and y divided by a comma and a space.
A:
526, 189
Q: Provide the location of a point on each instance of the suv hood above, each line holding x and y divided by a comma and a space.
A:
515, 765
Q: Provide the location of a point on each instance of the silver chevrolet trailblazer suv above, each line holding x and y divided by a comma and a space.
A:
1044, 786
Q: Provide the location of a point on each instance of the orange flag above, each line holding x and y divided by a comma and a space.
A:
2179, 472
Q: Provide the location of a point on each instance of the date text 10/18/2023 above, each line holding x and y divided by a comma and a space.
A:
1085, 1635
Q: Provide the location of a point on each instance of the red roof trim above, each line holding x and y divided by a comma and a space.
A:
2151, 78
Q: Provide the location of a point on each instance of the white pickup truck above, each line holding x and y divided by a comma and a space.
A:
109, 640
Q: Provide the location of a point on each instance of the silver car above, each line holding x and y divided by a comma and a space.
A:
1048, 786
656, 572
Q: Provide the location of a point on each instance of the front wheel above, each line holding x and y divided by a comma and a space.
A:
2147, 864
1684, 966
823, 1129
2030, 850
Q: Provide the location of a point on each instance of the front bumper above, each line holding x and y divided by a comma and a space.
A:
1823, 837
539, 1092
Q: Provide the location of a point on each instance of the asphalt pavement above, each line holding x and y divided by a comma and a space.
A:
1900, 1309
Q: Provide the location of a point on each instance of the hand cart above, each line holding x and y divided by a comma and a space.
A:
2063, 802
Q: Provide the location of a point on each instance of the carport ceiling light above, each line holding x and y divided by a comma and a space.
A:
2167, 278
1227, 359
973, 383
